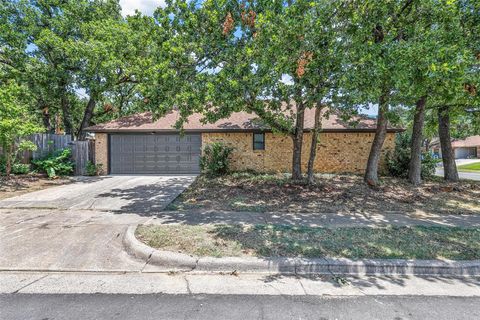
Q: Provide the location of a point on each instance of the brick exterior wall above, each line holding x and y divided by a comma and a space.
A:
101, 151
337, 152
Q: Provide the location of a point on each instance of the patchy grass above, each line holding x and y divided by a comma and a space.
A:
330, 194
188, 239
21, 184
311, 242
471, 167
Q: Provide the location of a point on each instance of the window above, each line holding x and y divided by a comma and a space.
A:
259, 141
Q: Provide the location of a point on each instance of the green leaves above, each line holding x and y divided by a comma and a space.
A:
76, 49
215, 159
57, 164
345, 53
15, 120
244, 70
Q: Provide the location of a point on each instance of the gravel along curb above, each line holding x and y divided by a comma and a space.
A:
183, 262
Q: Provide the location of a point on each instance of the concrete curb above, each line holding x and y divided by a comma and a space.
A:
170, 260
341, 266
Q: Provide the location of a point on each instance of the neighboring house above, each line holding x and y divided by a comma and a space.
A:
138, 145
463, 149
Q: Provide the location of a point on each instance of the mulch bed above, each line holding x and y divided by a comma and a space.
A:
330, 194
16, 185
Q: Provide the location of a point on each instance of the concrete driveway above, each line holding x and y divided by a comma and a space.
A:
80, 226
65, 240
132, 194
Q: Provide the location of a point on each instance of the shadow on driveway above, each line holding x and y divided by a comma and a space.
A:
146, 199
130, 194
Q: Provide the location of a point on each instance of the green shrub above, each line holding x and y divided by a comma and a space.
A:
17, 167
215, 159
93, 170
398, 162
26, 145
429, 164
56, 164
20, 168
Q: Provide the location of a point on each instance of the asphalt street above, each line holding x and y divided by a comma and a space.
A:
461, 174
213, 307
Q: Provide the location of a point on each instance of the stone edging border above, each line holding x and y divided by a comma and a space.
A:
173, 261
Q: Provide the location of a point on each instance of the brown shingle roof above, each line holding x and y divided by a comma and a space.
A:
473, 141
469, 142
239, 121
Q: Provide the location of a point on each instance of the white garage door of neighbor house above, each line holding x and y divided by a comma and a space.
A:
465, 153
155, 153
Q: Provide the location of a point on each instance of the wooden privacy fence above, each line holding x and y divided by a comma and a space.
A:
82, 151
47, 143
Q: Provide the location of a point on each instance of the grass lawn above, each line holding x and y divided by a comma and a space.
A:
287, 241
18, 185
331, 194
472, 167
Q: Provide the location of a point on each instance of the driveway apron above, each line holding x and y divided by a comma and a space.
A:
80, 227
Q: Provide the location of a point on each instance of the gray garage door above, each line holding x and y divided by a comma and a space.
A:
155, 153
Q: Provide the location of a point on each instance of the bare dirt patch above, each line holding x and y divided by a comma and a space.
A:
18, 185
330, 194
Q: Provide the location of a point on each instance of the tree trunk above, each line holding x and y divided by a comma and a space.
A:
427, 145
8, 160
415, 167
298, 143
66, 114
313, 147
448, 155
58, 124
47, 122
371, 173
87, 118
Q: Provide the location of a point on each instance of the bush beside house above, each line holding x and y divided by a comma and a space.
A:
398, 161
215, 160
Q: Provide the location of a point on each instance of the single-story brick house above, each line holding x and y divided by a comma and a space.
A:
137, 144
462, 148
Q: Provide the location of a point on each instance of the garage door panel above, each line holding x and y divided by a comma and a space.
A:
124, 157
127, 144
150, 154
